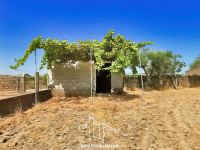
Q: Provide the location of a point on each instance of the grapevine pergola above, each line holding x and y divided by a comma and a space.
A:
122, 53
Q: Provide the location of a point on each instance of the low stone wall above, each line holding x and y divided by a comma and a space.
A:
133, 82
22, 102
194, 81
11, 83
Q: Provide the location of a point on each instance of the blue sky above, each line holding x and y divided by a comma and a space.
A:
172, 25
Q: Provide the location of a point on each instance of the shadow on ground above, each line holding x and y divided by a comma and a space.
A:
125, 96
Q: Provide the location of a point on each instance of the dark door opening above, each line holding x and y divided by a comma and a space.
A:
103, 80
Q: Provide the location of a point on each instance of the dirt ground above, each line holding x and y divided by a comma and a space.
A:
163, 120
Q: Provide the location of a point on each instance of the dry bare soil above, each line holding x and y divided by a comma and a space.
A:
161, 120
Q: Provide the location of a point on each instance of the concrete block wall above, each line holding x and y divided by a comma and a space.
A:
117, 82
193, 81
71, 80
22, 102
133, 82
11, 83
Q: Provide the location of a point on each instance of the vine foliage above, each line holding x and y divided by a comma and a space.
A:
122, 53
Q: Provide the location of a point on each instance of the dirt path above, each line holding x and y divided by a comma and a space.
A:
161, 120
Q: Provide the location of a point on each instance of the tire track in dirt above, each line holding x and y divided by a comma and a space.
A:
171, 127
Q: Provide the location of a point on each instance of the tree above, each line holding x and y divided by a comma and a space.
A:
196, 63
116, 49
121, 52
160, 64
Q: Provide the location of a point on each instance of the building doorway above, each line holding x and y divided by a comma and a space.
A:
103, 80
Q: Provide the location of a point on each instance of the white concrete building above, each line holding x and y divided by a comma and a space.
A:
75, 80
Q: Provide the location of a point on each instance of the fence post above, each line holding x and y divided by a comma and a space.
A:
36, 86
18, 84
24, 83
